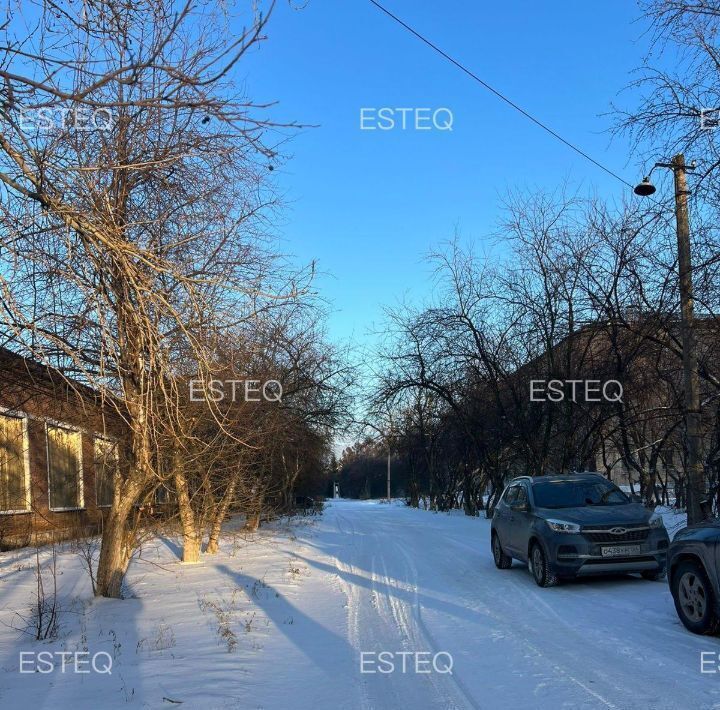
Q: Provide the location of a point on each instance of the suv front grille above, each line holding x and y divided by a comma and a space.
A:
603, 533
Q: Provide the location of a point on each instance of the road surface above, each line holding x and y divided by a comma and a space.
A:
425, 583
290, 617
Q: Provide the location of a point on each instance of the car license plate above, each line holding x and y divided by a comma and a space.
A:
620, 551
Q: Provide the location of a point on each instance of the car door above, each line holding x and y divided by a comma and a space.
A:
503, 517
521, 522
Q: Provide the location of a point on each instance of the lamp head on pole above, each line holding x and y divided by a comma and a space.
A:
645, 188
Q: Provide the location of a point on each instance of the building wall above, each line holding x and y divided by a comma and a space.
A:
43, 398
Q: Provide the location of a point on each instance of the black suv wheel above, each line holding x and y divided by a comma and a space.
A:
537, 561
693, 597
502, 561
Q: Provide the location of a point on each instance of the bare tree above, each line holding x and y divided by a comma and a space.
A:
588, 293
127, 243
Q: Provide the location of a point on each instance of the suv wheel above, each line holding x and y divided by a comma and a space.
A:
542, 573
502, 561
693, 597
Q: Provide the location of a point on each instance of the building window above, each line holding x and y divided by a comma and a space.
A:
64, 468
14, 471
106, 463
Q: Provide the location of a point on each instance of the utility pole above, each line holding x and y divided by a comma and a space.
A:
386, 435
691, 380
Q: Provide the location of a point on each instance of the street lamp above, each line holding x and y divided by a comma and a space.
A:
695, 474
645, 188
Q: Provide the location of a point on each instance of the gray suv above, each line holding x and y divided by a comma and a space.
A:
579, 524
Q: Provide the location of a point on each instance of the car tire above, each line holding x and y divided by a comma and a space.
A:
694, 598
541, 572
502, 561
653, 575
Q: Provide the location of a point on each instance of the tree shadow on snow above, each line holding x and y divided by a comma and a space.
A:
314, 640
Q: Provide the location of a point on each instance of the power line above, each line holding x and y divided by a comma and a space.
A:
499, 94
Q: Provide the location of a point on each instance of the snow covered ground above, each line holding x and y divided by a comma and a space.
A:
290, 618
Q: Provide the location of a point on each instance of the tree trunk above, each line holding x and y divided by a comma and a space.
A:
414, 491
252, 523
191, 548
118, 539
214, 540
114, 552
220, 513
468, 499
192, 537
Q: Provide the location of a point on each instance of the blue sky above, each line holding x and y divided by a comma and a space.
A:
369, 205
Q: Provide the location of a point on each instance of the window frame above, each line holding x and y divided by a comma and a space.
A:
523, 490
81, 468
116, 443
24, 418
509, 493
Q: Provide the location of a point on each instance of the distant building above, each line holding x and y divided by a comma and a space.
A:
638, 441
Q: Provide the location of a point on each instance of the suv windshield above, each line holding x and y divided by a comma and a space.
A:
577, 494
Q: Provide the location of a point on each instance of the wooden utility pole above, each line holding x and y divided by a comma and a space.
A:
694, 471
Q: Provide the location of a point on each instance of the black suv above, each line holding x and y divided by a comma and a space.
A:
694, 576
579, 524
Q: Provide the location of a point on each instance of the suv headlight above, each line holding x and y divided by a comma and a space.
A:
656, 521
562, 526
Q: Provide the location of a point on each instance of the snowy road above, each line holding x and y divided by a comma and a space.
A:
420, 582
290, 617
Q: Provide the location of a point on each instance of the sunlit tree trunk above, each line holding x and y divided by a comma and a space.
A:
192, 537
218, 516
116, 547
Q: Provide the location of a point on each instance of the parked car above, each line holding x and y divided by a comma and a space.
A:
566, 526
693, 576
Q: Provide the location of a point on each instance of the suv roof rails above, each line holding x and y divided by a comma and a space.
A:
549, 474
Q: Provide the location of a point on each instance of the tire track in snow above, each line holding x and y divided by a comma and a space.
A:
548, 650
387, 618
520, 635
351, 594
595, 646
430, 640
